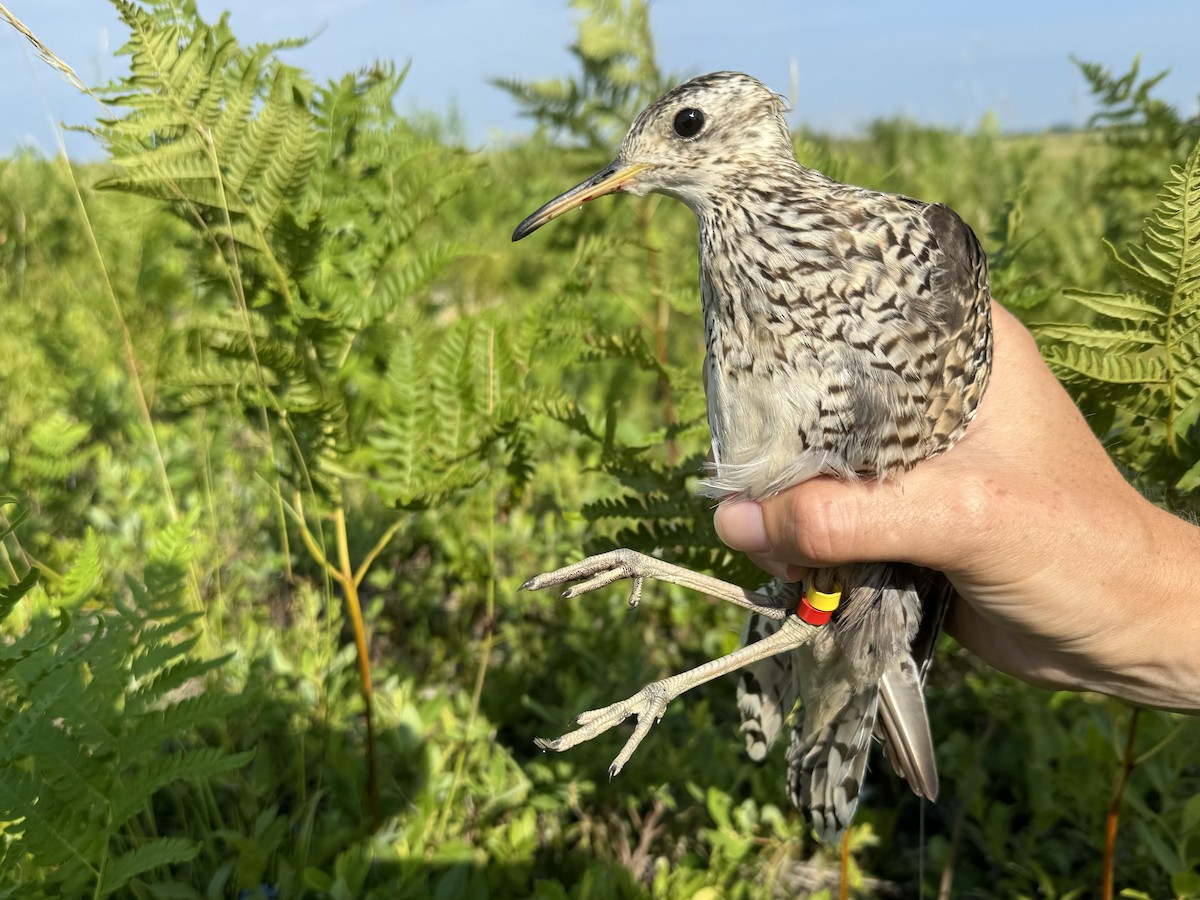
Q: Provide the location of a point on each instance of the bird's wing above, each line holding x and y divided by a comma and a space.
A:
903, 721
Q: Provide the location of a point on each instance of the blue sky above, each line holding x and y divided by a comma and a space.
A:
938, 62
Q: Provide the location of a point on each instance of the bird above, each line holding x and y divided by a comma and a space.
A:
848, 334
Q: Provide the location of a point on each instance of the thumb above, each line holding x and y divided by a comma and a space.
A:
826, 522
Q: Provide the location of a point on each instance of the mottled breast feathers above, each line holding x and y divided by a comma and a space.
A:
851, 316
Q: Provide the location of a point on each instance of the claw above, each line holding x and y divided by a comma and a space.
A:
599, 580
647, 719
635, 593
649, 705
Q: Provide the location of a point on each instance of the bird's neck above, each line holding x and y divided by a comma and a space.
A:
766, 246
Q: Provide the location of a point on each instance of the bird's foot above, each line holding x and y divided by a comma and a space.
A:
649, 704
601, 570
605, 568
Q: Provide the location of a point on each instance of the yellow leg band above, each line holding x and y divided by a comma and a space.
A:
824, 602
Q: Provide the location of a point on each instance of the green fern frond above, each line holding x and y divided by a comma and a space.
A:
1142, 355
195, 765
153, 854
162, 711
94, 724
1078, 359
1101, 339
399, 280
57, 447
630, 344
85, 575
210, 124
1130, 308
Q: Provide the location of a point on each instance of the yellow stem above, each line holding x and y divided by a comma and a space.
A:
345, 577
380, 544
314, 549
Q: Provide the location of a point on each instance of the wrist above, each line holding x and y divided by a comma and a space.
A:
1153, 657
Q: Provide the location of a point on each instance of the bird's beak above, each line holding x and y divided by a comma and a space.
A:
613, 177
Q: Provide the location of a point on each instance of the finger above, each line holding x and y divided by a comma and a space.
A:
740, 525
825, 522
917, 518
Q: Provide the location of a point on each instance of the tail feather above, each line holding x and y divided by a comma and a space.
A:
826, 768
862, 676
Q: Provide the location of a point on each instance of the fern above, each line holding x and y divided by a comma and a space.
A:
211, 125
1138, 365
1145, 134
619, 75
325, 194
94, 724
454, 400
57, 448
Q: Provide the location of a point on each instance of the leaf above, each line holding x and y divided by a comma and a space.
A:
1096, 338
153, 854
1191, 814
84, 576
1106, 368
11, 594
1145, 375
1186, 884
1118, 306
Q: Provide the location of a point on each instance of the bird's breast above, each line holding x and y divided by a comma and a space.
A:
803, 378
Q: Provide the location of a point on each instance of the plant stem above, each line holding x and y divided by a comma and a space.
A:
1114, 809
354, 608
135, 380
844, 868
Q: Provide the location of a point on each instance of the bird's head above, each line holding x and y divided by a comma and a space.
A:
688, 144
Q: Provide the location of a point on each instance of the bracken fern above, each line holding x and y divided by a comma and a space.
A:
1137, 366
96, 708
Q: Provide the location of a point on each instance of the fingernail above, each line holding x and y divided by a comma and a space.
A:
740, 526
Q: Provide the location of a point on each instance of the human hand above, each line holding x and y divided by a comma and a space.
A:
1066, 576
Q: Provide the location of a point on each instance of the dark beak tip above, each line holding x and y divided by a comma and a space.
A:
524, 230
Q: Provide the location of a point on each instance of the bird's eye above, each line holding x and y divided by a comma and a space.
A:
688, 122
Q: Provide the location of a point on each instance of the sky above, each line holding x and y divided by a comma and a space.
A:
939, 62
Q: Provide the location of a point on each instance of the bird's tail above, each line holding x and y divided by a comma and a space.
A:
826, 767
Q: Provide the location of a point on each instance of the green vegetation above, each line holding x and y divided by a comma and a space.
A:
287, 421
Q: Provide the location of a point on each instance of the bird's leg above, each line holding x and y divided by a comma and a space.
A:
650, 703
825, 580
605, 568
